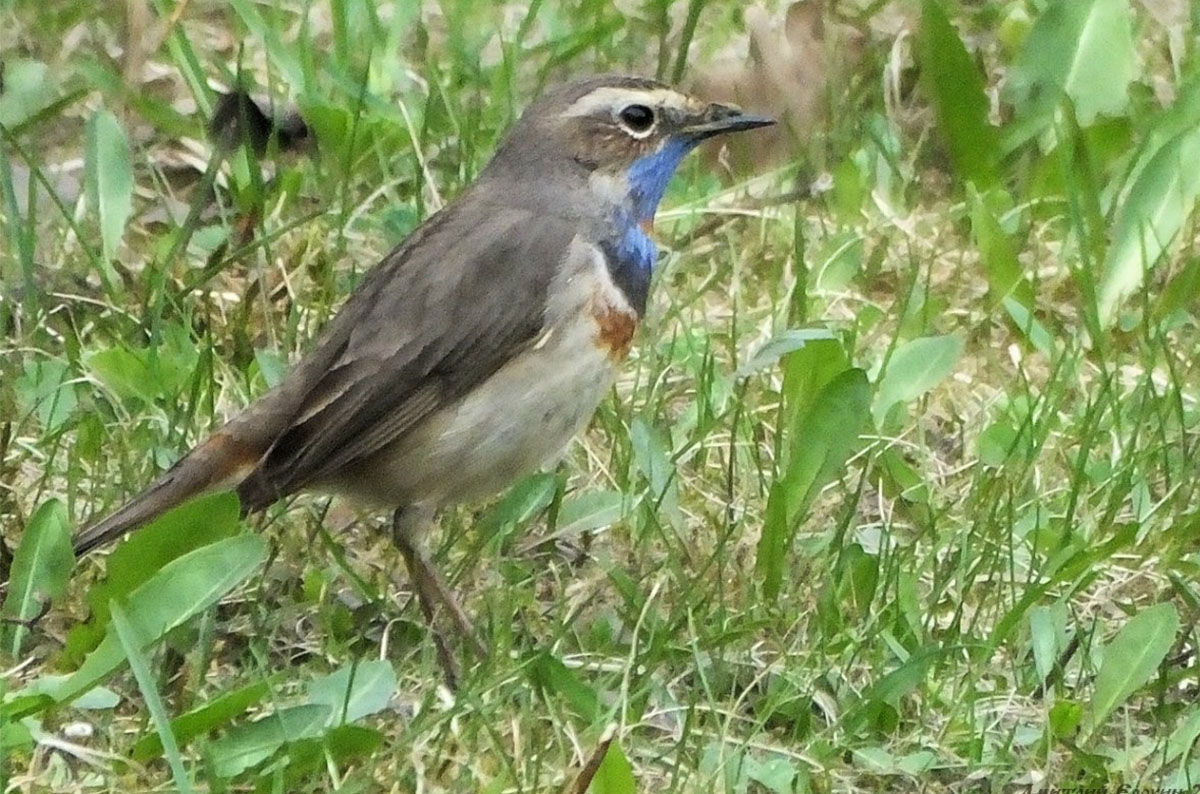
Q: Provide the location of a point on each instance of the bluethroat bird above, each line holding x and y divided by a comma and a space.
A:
474, 351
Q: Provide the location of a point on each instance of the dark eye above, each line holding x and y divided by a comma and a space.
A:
637, 118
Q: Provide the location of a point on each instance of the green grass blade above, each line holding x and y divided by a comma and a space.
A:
131, 645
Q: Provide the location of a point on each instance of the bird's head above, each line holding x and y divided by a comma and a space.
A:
628, 135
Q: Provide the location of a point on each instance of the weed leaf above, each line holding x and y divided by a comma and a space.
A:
615, 774
955, 86
1132, 657
215, 713
40, 570
819, 442
915, 368
184, 588
1160, 202
355, 691
109, 179
247, 745
1082, 49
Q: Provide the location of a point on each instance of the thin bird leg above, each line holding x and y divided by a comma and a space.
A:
445, 658
432, 591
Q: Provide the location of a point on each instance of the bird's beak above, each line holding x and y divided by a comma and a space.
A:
720, 119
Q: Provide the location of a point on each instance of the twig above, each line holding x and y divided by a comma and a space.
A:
584, 779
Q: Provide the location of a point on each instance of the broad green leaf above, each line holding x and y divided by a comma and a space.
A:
615, 775
806, 371
40, 569
776, 775
45, 389
184, 588
1065, 716
914, 368
213, 714
519, 505
1132, 658
653, 461
1181, 116
1181, 740
818, 443
200, 521
346, 742
128, 638
582, 512
355, 691
998, 252
1047, 632
955, 86
1159, 203
551, 675
28, 88
1082, 49
109, 179
123, 372
150, 373
247, 745
781, 344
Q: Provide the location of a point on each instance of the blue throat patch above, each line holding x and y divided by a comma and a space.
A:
648, 176
631, 257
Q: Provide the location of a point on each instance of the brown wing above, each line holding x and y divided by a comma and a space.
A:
438, 316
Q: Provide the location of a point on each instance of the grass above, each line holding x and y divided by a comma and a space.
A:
947, 544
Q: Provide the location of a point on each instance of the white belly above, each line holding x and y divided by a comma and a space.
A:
518, 420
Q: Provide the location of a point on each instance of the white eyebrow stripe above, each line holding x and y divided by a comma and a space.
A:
609, 97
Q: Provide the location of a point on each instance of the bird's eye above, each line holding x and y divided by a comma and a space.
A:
638, 119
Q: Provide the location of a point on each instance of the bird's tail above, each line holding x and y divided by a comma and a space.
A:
220, 462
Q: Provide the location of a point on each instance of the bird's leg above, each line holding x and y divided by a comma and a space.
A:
432, 592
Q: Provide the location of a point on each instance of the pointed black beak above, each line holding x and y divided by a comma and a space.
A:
720, 119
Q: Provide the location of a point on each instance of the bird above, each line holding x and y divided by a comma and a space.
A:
474, 351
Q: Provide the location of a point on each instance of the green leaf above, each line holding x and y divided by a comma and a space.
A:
650, 454
28, 88
247, 745
777, 775
588, 510
1065, 716
109, 179
1047, 629
551, 675
201, 521
998, 252
956, 88
40, 570
1132, 658
519, 505
45, 389
781, 344
122, 372
184, 588
355, 691
914, 368
128, 637
1082, 49
1159, 203
215, 713
346, 742
614, 775
151, 373
818, 442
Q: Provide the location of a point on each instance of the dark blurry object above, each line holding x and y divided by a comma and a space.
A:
238, 119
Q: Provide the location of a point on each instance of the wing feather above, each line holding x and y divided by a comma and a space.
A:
439, 315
